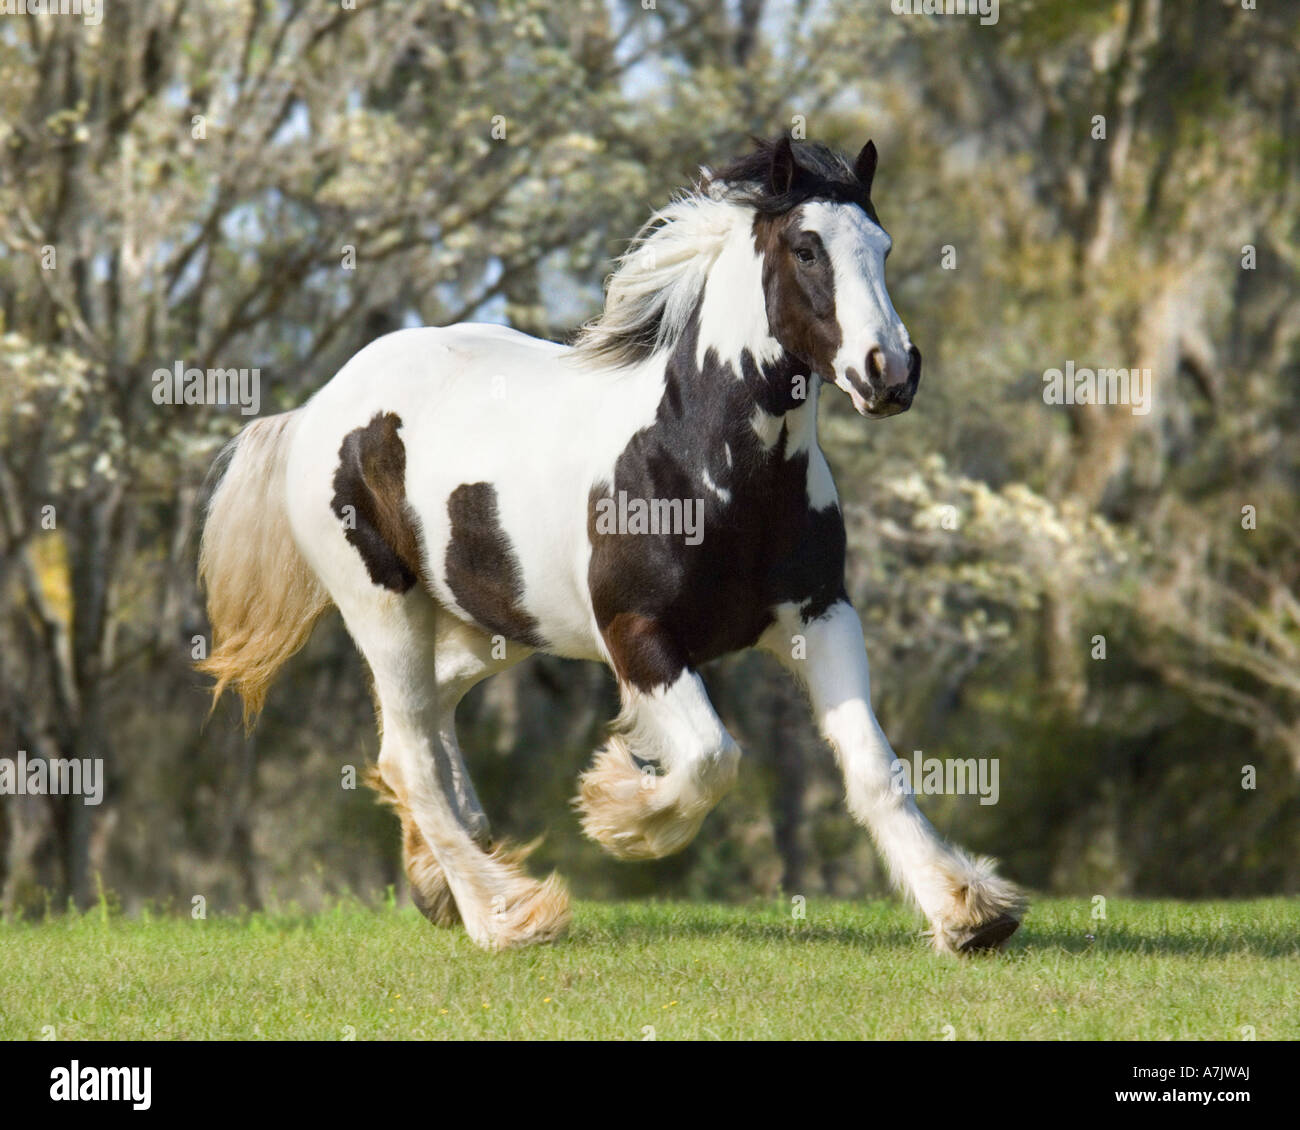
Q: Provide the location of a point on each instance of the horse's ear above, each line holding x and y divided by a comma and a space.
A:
864, 168
782, 173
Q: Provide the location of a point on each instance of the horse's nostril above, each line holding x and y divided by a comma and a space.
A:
913, 362
876, 362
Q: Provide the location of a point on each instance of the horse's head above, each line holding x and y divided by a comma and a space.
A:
824, 252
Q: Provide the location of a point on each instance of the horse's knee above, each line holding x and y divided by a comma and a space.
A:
715, 769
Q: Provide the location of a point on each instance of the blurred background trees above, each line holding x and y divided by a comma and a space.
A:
1105, 601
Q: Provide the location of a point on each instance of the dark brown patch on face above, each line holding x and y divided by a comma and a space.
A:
370, 500
799, 287
482, 569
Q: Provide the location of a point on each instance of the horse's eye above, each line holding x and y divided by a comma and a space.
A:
804, 254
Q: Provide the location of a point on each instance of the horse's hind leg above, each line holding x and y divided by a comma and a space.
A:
460, 659
463, 657
422, 666
430, 891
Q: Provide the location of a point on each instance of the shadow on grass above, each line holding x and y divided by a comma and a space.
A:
1184, 939
646, 928
647, 933
1214, 942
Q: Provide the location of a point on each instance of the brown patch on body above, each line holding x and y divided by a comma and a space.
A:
370, 500
643, 654
482, 570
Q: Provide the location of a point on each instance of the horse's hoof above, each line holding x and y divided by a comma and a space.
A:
991, 935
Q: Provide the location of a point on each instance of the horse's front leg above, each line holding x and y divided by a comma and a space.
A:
967, 905
669, 759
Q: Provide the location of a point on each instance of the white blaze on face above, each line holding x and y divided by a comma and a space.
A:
857, 247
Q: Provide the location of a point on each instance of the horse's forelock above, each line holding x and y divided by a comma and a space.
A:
821, 174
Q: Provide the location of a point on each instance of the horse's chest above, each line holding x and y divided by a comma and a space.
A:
712, 581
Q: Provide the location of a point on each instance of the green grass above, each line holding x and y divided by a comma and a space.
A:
1156, 970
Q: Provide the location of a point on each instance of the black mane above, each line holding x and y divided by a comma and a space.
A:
823, 174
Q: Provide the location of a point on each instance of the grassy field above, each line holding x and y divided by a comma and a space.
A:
1153, 970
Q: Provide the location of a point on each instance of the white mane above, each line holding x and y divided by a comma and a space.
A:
657, 281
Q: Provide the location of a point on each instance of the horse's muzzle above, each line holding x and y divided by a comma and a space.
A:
875, 394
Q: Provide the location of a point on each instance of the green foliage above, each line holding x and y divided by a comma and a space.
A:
200, 171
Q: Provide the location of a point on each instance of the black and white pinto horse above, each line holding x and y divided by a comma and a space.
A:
469, 495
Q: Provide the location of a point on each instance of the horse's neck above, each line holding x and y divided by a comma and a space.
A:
794, 430
757, 398
732, 343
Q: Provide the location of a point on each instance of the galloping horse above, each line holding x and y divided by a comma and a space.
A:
469, 495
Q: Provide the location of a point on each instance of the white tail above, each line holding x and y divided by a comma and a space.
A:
263, 599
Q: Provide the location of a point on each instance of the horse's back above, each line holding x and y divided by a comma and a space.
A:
498, 437
461, 391
427, 360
